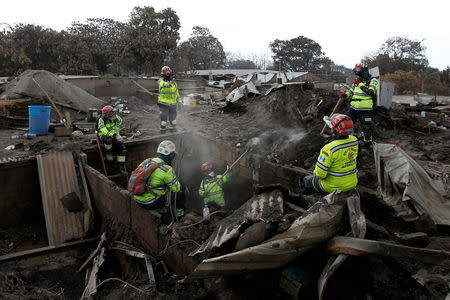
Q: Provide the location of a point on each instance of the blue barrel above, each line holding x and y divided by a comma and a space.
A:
39, 117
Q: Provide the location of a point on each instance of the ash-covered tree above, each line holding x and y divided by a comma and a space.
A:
297, 54
405, 82
13, 59
30, 46
150, 37
104, 40
201, 51
399, 53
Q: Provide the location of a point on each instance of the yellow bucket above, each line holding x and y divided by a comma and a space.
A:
192, 103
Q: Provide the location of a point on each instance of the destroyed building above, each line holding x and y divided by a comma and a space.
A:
71, 230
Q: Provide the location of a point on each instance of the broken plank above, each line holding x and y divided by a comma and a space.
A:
358, 247
44, 250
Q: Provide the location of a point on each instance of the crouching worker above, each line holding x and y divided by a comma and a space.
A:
336, 166
107, 129
154, 179
211, 192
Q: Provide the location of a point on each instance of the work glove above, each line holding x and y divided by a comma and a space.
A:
118, 137
327, 121
357, 81
342, 95
365, 89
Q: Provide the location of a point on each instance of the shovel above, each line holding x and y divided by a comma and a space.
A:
322, 133
250, 146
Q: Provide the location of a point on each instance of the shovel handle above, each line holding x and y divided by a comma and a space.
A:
227, 171
332, 113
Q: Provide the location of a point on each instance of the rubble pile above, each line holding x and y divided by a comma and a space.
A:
385, 240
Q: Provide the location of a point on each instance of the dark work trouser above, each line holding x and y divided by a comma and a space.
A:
310, 184
168, 114
365, 117
113, 146
161, 205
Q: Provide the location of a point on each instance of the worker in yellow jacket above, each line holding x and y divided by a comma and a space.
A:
336, 165
210, 191
362, 94
107, 129
168, 100
162, 180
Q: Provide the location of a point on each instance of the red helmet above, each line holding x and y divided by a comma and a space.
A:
342, 124
166, 72
207, 168
361, 70
108, 111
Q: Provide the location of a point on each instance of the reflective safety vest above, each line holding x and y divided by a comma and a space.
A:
336, 165
168, 92
216, 193
361, 100
163, 177
108, 127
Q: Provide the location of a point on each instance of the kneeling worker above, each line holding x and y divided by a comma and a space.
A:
336, 166
107, 129
153, 178
211, 192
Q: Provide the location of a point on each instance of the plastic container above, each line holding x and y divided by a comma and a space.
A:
29, 135
92, 115
205, 211
15, 137
192, 103
422, 114
39, 117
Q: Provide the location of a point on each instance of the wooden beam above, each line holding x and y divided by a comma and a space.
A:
358, 247
61, 117
144, 89
6, 102
44, 250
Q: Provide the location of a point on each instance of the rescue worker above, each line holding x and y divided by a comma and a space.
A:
168, 99
161, 181
210, 192
336, 166
362, 94
107, 129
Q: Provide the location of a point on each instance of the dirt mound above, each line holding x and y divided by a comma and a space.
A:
59, 90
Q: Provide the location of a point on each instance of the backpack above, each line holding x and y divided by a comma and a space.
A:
137, 184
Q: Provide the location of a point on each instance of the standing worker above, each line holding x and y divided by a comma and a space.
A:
150, 187
212, 193
336, 166
362, 94
107, 129
168, 99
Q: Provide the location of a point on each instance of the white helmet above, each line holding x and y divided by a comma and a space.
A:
166, 148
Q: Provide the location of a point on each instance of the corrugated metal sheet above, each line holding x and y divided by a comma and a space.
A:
58, 178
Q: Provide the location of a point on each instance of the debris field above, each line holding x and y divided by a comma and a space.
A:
388, 239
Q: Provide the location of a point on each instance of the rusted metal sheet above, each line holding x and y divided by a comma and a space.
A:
110, 200
145, 223
316, 226
57, 177
264, 207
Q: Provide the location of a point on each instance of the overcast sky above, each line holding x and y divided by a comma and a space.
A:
346, 30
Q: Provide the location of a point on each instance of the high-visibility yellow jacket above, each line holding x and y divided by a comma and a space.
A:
336, 165
108, 127
361, 100
168, 92
216, 193
161, 178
